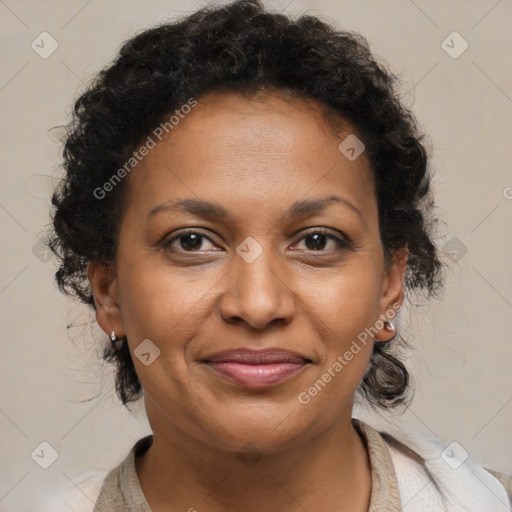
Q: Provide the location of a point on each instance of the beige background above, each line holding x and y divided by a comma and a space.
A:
461, 364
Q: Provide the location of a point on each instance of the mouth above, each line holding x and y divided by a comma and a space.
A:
257, 369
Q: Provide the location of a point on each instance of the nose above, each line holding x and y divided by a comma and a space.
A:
257, 293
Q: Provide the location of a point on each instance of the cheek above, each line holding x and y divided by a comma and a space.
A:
347, 349
159, 303
345, 302
166, 308
344, 314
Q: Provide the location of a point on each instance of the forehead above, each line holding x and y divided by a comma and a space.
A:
256, 150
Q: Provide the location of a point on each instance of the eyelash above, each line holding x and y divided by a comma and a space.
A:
343, 243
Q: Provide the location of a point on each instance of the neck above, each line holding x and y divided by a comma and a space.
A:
328, 472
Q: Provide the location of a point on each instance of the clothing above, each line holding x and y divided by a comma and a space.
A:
399, 483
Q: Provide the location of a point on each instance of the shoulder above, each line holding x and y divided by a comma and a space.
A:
504, 478
105, 491
92, 491
121, 488
82, 494
433, 474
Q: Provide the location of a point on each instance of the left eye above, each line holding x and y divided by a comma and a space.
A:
318, 240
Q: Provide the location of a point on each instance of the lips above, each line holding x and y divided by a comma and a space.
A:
257, 369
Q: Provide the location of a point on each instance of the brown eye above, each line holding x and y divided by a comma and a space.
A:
190, 241
318, 240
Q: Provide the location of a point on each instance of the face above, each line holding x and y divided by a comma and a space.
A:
286, 255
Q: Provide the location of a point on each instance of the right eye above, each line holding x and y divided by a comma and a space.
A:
186, 241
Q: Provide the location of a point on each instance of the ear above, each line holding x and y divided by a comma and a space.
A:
105, 291
393, 291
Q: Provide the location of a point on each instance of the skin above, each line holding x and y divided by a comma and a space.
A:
254, 156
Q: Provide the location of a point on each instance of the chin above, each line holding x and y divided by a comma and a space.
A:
268, 433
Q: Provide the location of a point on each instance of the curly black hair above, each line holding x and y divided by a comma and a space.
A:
243, 48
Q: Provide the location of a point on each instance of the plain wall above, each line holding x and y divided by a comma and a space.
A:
54, 388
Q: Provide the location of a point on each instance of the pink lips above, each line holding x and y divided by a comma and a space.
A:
257, 369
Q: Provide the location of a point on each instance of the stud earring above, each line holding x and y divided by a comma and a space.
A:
389, 325
116, 342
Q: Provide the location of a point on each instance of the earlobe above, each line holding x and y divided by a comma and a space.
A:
105, 291
388, 331
393, 294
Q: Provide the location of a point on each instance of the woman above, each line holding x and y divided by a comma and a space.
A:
246, 205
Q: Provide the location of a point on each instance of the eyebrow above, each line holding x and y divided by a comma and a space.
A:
203, 208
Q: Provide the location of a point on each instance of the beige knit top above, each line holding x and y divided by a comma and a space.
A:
121, 490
